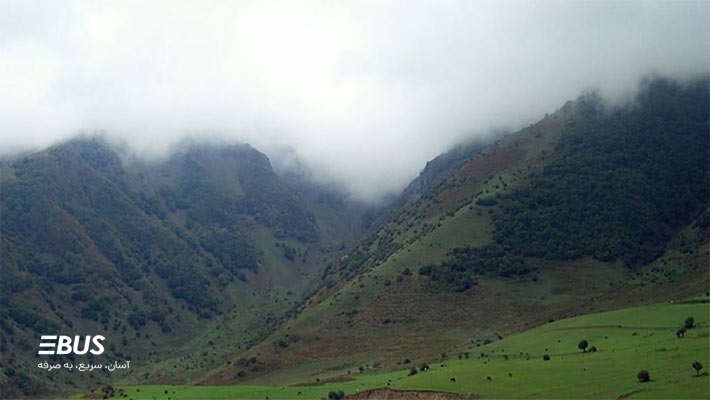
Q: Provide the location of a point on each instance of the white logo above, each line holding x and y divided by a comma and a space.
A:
64, 345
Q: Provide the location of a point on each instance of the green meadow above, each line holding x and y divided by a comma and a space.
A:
627, 341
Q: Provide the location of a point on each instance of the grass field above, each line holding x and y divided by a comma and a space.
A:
627, 340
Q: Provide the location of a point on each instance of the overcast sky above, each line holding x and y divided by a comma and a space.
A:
362, 92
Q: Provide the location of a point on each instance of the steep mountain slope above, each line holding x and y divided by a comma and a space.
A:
435, 172
160, 258
438, 169
592, 208
333, 206
191, 266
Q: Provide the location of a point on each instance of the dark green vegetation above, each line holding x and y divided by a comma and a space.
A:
439, 278
208, 268
156, 257
629, 340
623, 181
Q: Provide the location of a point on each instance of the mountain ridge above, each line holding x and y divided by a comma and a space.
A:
161, 249
249, 276
389, 295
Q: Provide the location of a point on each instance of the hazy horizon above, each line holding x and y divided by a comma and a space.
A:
361, 93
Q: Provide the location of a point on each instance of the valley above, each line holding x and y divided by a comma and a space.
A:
219, 278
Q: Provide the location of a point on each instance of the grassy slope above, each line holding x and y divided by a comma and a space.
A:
379, 317
628, 340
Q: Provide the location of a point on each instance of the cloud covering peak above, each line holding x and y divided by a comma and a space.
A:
361, 92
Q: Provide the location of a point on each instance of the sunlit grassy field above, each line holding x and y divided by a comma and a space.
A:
627, 341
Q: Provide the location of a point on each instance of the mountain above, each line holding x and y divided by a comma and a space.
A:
434, 173
595, 207
208, 267
438, 169
153, 255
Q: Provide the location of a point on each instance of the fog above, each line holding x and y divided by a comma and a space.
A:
362, 93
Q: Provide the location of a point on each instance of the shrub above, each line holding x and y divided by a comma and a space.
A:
336, 395
643, 376
137, 318
689, 322
697, 367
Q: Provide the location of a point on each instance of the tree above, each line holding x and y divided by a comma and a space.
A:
689, 322
643, 376
336, 395
697, 366
583, 345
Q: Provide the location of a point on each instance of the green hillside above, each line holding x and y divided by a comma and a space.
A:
464, 263
625, 342
207, 268
207, 249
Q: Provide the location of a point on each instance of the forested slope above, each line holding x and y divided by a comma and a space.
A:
594, 207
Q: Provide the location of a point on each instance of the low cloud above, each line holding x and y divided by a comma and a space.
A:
363, 93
